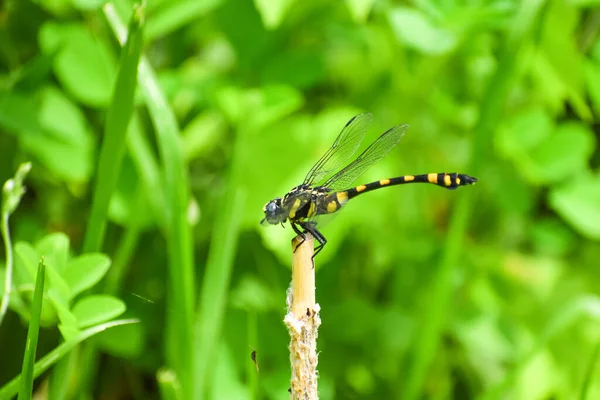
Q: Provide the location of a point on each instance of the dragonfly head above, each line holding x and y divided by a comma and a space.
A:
274, 214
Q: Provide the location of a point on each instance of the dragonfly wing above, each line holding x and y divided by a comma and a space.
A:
372, 154
342, 149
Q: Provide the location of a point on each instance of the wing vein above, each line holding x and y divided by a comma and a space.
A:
372, 154
343, 148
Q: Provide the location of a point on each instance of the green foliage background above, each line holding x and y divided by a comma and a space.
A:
485, 292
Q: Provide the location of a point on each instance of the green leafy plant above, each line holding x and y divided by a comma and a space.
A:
156, 143
68, 278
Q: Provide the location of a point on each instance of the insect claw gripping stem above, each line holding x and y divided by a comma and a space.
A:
311, 228
299, 233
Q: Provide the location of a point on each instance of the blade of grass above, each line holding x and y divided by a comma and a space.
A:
215, 285
491, 107
219, 266
32, 334
12, 387
178, 231
115, 133
110, 160
125, 250
148, 170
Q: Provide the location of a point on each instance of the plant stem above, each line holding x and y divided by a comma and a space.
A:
303, 321
12, 192
9, 266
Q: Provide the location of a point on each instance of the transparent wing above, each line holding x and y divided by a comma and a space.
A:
342, 149
372, 154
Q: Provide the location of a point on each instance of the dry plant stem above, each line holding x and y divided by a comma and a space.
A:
303, 321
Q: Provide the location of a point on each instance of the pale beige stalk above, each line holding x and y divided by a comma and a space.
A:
303, 321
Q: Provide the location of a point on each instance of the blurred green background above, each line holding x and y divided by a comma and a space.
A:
489, 291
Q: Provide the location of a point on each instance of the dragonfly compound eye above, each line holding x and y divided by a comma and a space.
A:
273, 212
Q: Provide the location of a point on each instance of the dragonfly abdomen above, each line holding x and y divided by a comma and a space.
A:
331, 202
445, 180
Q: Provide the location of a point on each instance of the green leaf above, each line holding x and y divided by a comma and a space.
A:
525, 131
25, 275
68, 322
64, 120
273, 12
578, 203
414, 29
83, 64
541, 155
566, 152
52, 128
85, 271
27, 259
96, 309
59, 292
55, 249
67, 145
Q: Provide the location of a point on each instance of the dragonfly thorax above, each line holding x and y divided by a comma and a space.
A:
274, 213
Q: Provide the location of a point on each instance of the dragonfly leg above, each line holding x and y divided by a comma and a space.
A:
299, 233
311, 227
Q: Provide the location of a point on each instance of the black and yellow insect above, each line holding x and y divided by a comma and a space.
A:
326, 187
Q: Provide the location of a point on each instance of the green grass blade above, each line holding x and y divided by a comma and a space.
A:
32, 334
11, 388
110, 160
113, 146
124, 252
215, 285
490, 112
148, 170
178, 231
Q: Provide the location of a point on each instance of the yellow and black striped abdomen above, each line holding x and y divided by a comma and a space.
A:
446, 180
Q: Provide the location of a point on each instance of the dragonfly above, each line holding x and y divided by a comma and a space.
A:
328, 185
